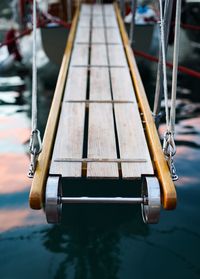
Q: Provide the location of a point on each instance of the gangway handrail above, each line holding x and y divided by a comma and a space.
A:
36, 197
160, 165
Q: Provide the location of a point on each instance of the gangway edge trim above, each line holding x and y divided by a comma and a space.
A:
36, 197
168, 191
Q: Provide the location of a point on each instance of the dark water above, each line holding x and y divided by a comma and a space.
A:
106, 242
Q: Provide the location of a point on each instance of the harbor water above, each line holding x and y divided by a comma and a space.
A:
107, 242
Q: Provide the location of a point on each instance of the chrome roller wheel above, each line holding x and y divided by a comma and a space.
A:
151, 204
53, 205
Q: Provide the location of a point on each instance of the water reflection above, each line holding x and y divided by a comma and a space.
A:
90, 239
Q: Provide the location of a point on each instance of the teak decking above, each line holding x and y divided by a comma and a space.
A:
99, 84
100, 126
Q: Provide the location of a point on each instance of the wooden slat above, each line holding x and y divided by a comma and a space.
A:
117, 56
132, 142
80, 55
76, 84
98, 35
109, 10
36, 196
97, 21
86, 9
69, 140
113, 36
82, 35
99, 84
101, 141
97, 9
122, 85
99, 55
167, 186
84, 21
110, 21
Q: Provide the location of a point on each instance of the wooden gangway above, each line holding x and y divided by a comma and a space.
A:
100, 125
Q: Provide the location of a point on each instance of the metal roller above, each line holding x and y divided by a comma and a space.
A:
151, 191
149, 200
53, 204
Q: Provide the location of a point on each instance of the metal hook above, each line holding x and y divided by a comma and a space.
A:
35, 148
169, 149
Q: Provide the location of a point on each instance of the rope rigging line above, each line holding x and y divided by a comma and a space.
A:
164, 67
169, 147
35, 140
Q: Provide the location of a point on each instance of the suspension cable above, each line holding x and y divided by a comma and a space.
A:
35, 140
164, 67
175, 66
169, 147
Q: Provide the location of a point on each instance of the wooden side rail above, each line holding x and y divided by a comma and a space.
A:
36, 197
160, 165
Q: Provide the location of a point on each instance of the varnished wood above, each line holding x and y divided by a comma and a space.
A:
161, 168
36, 197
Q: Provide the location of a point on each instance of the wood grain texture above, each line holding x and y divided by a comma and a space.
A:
99, 55
113, 36
85, 9
98, 35
82, 35
109, 10
69, 140
101, 141
97, 10
132, 142
76, 84
122, 85
110, 21
100, 84
117, 56
80, 55
36, 197
97, 21
168, 190
84, 21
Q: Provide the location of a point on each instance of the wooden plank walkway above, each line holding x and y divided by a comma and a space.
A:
99, 109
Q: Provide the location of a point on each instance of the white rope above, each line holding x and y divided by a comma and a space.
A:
175, 67
164, 63
169, 146
35, 140
34, 71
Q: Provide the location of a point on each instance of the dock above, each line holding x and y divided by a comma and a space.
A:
100, 125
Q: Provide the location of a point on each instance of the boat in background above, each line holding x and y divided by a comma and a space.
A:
191, 21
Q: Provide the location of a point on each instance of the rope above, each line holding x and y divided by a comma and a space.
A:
164, 63
181, 69
175, 67
34, 71
169, 147
35, 140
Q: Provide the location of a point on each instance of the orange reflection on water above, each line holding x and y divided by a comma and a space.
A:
13, 173
12, 218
